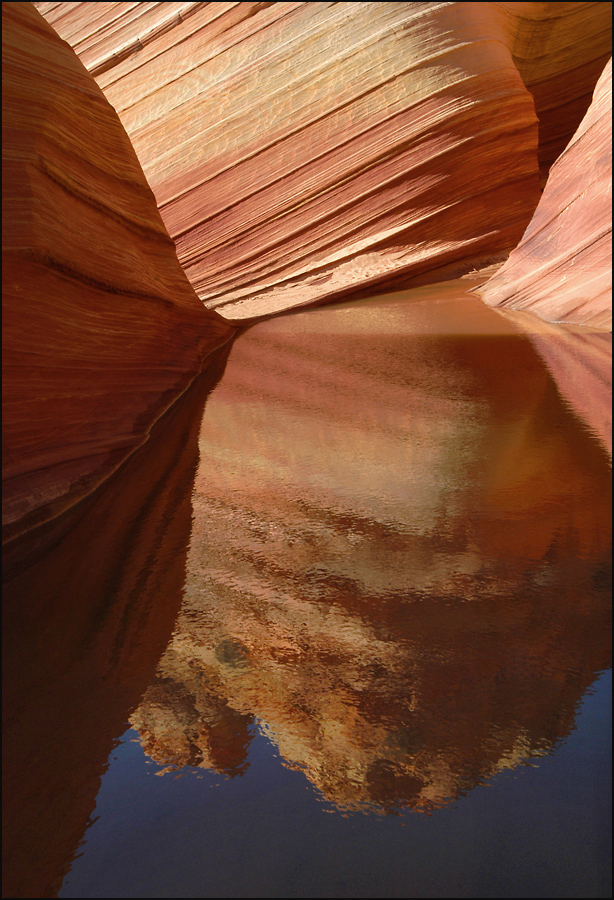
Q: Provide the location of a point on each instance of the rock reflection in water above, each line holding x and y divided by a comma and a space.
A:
399, 560
580, 360
89, 604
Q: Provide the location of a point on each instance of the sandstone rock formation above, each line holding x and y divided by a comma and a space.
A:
300, 151
560, 50
101, 329
562, 267
403, 578
412, 602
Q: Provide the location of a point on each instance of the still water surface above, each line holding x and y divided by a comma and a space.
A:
359, 650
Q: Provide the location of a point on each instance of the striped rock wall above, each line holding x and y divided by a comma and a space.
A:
562, 267
304, 151
101, 329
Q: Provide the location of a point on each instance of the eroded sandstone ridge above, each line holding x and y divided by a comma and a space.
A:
101, 329
300, 151
562, 267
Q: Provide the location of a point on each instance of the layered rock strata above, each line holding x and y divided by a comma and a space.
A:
298, 150
301, 151
560, 50
101, 329
562, 267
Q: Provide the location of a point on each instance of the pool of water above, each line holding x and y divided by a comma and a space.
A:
342, 629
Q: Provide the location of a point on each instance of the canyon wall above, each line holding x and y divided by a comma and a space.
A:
562, 267
298, 153
303, 151
101, 329
560, 50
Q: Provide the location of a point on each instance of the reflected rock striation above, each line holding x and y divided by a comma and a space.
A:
85, 622
405, 585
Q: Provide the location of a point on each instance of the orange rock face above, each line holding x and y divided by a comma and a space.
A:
101, 329
562, 268
290, 169
300, 151
560, 50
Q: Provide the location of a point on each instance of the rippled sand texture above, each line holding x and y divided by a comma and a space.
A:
399, 559
299, 151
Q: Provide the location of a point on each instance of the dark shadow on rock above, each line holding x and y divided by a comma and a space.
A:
89, 604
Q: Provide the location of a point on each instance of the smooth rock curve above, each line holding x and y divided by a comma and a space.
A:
300, 152
562, 268
101, 329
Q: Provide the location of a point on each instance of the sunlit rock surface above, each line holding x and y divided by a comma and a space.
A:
83, 630
101, 329
299, 151
562, 268
403, 578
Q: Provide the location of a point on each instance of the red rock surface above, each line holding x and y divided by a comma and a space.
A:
299, 151
560, 50
101, 329
562, 268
